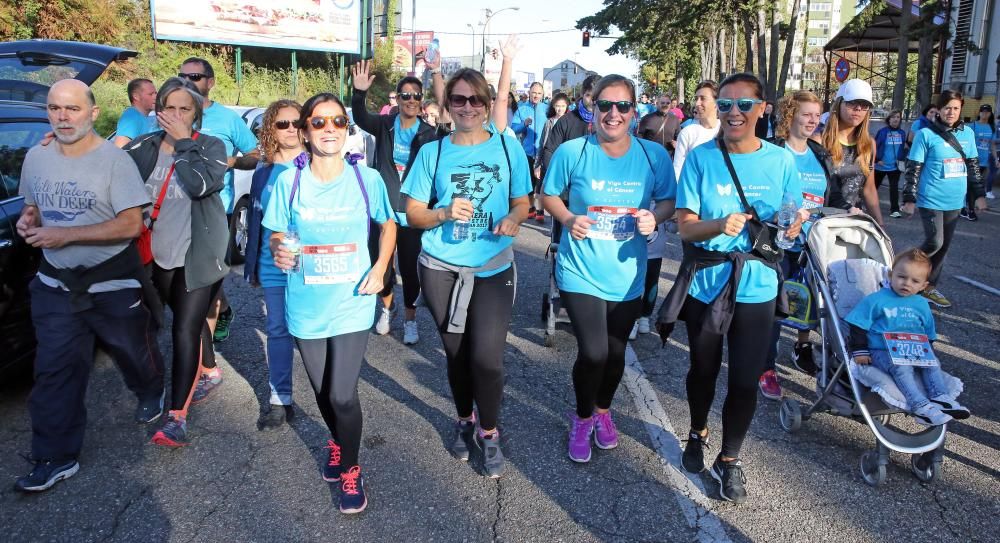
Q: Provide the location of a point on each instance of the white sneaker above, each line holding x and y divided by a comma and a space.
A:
643, 325
384, 323
410, 334
990, 195
635, 331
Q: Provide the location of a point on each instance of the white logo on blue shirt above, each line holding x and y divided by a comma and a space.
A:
597, 185
724, 190
891, 313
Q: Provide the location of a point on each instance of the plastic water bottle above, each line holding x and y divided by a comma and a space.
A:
291, 244
460, 229
786, 216
432, 50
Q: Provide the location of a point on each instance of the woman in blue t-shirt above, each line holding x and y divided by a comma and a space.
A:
469, 193
329, 299
611, 178
985, 129
890, 148
937, 179
280, 143
798, 117
724, 290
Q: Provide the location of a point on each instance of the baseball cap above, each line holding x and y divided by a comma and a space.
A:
855, 89
986, 107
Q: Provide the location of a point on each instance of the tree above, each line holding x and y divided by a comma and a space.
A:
903, 55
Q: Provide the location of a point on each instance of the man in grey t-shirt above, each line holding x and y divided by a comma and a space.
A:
83, 207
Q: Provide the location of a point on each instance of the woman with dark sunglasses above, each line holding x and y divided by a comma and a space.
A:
398, 137
477, 183
724, 290
612, 177
328, 302
184, 172
280, 143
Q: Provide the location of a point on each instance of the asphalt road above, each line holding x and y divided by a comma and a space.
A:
234, 483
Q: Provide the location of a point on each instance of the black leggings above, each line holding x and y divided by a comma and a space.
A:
939, 229
601, 329
408, 246
334, 365
475, 357
190, 332
893, 187
748, 349
653, 266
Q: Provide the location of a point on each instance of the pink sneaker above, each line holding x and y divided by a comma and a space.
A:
579, 438
769, 386
605, 433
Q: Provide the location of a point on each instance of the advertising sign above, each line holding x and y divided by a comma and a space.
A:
403, 49
315, 25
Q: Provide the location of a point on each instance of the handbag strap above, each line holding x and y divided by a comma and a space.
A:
736, 179
352, 160
163, 191
300, 163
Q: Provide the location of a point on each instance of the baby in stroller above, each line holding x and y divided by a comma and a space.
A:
892, 329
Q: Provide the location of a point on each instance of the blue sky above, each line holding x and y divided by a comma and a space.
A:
540, 50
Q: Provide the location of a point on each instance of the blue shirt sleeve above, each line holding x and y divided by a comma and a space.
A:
131, 124
276, 216
968, 140
861, 315
243, 138
918, 151
664, 179
689, 186
418, 181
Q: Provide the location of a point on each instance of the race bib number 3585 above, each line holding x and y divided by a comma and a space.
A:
331, 264
612, 223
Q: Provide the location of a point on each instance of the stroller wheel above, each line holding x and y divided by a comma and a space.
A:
790, 415
546, 305
925, 467
871, 470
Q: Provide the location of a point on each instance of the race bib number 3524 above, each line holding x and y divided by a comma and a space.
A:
612, 223
331, 264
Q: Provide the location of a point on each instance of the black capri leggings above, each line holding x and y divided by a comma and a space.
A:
408, 246
190, 330
939, 229
475, 357
601, 329
748, 351
333, 365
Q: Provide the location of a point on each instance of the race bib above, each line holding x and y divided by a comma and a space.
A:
400, 168
954, 167
612, 223
906, 349
811, 201
331, 264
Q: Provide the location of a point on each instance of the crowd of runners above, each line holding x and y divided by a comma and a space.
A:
456, 170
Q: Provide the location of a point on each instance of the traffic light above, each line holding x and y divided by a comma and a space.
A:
586, 38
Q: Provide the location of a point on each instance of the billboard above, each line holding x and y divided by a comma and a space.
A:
403, 49
314, 25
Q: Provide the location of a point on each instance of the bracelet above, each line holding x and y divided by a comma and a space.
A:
436, 71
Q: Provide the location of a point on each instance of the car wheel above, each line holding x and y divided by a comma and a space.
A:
239, 232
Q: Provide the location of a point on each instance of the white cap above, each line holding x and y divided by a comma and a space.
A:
855, 89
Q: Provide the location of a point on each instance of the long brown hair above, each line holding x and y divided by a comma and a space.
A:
269, 143
788, 107
864, 141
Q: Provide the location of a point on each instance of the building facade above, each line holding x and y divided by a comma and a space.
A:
818, 22
974, 64
565, 76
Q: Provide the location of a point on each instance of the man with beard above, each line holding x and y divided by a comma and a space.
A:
83, 207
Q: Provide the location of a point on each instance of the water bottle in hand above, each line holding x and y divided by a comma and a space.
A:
460, 229
291, 244
786, 216
432, 51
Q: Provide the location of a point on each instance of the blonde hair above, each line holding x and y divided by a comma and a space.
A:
788, 108
863, 140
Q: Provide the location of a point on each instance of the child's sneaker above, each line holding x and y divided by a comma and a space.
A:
951, 408
930, 414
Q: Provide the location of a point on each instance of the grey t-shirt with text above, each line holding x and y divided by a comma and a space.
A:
172, 229
82, 191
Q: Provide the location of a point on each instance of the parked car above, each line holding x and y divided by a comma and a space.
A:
27, 69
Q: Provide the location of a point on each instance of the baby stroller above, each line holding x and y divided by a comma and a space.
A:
847, 257
552, 310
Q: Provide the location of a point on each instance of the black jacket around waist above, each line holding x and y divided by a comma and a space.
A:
721, 309
123, 266
382, 128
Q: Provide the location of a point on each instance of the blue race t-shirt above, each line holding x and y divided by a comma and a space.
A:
943, 178
226, 124
813, 181
322, 298
481, 173
611, 262
706, 188
267, 273
889, 151
984, 137
885, 311
532, 133
133, 124
402, 139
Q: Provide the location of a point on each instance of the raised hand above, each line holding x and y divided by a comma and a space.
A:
361, 75
510, 47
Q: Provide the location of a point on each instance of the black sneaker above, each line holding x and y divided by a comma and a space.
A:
222, 325
731, 480
493, 461
46, 474
275, 417
332, 470
463, 437
693, 458
352, 492
972, 216
802, 357
965, 214
150, 409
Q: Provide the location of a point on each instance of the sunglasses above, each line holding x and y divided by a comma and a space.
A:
458, 100
283, 125
859, 105
318, 122
744, 104
406, 96
623, 106
192, 77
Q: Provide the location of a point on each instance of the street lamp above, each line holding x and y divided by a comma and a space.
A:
472, 59
489, 15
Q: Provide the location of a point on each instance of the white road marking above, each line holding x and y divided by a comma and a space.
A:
687, 488
977, 284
